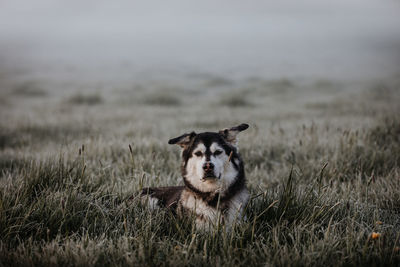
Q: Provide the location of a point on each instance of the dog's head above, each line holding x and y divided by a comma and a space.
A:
210, 160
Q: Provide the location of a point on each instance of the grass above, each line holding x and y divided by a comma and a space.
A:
29, 89
217, 81
279, 85
30, 134
234, 101
162, 99
86, 99
321, 182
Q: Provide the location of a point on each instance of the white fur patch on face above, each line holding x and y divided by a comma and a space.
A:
195, 173
223, 169
196, 162
200, 147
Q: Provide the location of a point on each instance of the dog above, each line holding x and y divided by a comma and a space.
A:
214, 189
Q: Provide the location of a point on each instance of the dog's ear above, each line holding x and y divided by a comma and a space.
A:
230, 134
184, 140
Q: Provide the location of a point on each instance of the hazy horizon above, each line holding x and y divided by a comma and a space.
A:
340, 39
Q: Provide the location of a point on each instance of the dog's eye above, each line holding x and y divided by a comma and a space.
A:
198, 153
218, 152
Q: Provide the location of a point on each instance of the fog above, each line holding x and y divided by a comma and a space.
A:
114, 39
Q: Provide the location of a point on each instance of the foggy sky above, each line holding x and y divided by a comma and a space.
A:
269, 38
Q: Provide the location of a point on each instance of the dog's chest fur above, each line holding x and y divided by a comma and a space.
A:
209, 212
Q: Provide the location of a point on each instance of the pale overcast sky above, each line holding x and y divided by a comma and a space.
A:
275, 38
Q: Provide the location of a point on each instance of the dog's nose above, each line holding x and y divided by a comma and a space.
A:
208, 166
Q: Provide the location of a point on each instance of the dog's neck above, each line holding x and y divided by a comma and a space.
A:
212, 198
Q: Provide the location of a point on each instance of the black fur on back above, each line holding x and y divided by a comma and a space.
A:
167, 196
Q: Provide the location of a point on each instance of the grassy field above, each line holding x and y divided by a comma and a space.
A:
322, 159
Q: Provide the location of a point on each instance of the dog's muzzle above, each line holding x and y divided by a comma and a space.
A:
208, 169
210, 177
209, 174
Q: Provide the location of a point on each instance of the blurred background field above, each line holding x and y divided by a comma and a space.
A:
318, 83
